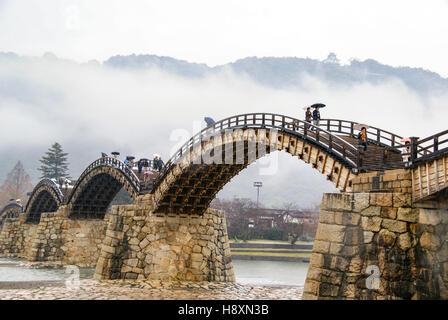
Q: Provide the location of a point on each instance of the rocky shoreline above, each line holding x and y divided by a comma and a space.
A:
145, 290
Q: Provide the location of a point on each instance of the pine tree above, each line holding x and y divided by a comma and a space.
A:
16, 185
54, 163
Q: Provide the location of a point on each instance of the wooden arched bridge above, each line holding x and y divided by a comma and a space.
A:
210, 159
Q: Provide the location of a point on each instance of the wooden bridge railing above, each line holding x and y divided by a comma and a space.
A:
375, 135
421, 150
430, 147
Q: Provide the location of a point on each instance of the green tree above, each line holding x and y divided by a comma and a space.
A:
54, 163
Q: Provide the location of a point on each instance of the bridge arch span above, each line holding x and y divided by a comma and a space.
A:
98, 185
188, 184
11, 210
45, 197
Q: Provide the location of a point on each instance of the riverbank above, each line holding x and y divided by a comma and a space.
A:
152, 290
267, 250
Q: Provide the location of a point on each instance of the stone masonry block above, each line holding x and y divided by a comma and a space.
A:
371, 211
429, 241
394, 225
347, 218
361, 201
388, 212
402, 200
326, 217
371, 223
337, 202
408, 214
321, 246
329, 232
429, 216
381, 199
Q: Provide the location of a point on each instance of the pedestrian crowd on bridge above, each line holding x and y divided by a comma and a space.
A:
144, 165
314, 117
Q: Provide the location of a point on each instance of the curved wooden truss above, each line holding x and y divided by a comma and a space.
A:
46, 197
188, 183
11, 210
98, 185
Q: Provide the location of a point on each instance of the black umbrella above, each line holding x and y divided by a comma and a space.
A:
318, 105
209, 121
115, 153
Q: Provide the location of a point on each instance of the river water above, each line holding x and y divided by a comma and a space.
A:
11, 270
247, 272
272, 273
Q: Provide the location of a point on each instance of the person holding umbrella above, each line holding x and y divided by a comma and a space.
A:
406, 149
316, 113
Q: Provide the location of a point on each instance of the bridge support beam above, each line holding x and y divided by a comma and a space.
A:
141, 245
379, 246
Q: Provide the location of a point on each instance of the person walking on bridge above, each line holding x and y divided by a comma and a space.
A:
157, 163
308, 117
362, 138
316, 116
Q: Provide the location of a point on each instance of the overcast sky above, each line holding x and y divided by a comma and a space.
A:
399, 32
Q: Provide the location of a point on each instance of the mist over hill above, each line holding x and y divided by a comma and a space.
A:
145, 104
288, 72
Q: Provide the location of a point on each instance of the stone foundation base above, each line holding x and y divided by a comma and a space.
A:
139, 245
54, 239
378, 246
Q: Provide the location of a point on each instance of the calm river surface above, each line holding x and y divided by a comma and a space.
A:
248, 272
277, 273
10, 270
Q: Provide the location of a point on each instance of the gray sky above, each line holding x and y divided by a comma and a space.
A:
399, 32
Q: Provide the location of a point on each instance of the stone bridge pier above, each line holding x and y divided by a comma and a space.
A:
380, 245
55, 238
141, 245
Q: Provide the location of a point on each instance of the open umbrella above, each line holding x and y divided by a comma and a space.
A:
305, 107
359, 126
317, 105
406, 140
209, 121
